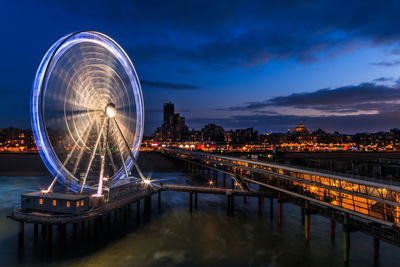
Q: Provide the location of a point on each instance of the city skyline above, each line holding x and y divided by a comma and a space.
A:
238, 64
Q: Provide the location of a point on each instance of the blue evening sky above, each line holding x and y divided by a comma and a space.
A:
332, 64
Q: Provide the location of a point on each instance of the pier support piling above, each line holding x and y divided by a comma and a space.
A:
224, 180
62, 231
44, 231
147, 207
35, 231
74, 230
332, 232
280, 208
232, 205
159, 200
190, 201
271, 208
307, 221
138, 211
376, 248
346, 238
195, 200
21, 235
228, 202
260, 205
49, 233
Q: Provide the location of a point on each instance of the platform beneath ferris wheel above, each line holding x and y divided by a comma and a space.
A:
40, 217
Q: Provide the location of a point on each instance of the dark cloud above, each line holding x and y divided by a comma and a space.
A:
224, 34
363, 97
387, 63
166, 85
383, 79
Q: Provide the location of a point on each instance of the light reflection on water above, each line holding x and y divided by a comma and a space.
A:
174, 237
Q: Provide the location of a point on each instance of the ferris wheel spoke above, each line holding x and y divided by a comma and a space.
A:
65, 163
82, 149
109, 152
92, 156
120, 151
129, 150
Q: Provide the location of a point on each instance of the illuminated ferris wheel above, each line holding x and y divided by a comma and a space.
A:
87, 112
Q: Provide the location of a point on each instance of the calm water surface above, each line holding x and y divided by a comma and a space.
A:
174, 237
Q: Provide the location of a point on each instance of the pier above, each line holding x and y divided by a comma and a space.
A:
363, 204
85, 220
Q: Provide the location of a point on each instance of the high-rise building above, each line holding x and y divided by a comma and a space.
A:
173, 128
169, 110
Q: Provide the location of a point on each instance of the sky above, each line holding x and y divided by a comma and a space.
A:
330, 64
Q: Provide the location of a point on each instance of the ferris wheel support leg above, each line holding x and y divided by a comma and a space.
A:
50, 186
120, 151
103, 157
130, 151
92, 156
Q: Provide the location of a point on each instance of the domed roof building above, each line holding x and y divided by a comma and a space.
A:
300, 129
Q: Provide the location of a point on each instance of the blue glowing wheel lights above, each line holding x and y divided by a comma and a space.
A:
87, 111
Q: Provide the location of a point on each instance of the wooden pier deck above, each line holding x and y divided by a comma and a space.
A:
47, 218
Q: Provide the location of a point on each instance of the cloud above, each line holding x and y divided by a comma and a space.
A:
167, 85
386, 63
281, 123
365, 98
242, 33
383, 79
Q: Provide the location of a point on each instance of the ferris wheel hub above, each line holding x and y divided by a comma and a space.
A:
111, 111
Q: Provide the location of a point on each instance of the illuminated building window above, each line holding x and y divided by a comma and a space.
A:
77, 204
82, 202
54, 202
40, 201
68, 204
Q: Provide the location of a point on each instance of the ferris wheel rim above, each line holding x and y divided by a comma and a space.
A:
38, 123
